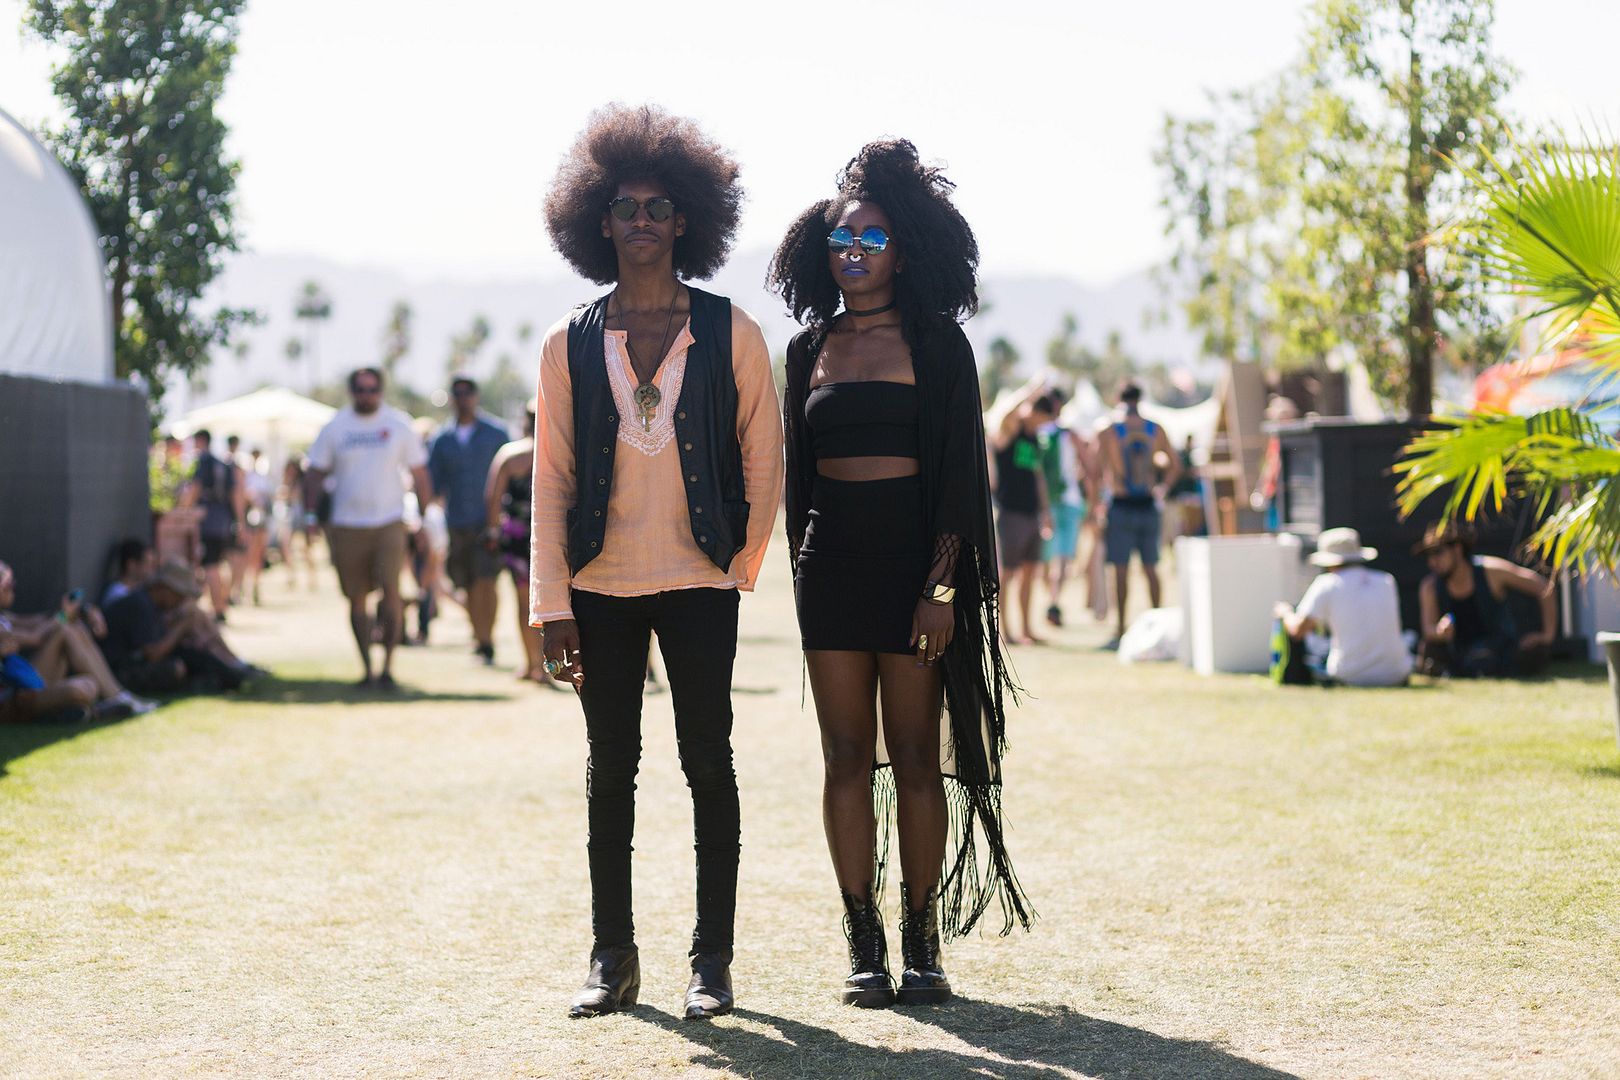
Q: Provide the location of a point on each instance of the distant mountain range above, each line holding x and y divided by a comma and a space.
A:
1028, 310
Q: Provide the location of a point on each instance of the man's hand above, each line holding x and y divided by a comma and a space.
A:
562, 651
1540, 639
1047, 529
71, 606
95, 622
1445, 629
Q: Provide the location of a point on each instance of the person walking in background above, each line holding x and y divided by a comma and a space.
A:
1140, 466
1357, 608
259, 498
295, 523
1069, 493
368, 449
1467, 627
508, 507
236, 556
218, 494
890, 533
657, 473
1023, 512
459, 460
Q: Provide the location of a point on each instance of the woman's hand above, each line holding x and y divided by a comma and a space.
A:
932, 627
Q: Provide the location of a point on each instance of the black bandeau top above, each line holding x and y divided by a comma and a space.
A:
862, 419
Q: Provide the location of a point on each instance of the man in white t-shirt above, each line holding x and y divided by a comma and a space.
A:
367, 450
1358, 608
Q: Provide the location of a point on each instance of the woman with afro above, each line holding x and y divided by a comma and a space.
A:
657, 472
891, 537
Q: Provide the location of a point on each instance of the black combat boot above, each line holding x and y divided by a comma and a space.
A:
869, 985
613, 984
923, 981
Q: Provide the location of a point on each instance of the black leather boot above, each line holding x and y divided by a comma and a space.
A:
613, 984
709, 993
869, 985
923, 981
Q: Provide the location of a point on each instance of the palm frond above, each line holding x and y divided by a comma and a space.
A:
1551, 232
1469, 456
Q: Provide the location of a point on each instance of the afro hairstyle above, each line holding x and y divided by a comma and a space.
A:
622, 144
941, 255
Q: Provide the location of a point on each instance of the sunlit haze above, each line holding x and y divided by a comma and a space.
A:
420, 136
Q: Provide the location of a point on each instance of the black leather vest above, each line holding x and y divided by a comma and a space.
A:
705, 434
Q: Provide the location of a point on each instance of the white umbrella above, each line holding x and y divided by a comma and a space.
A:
274, 419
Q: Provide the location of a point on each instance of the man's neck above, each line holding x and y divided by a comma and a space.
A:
646, 288
463, 421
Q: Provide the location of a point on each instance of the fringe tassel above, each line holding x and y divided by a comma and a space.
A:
884, 800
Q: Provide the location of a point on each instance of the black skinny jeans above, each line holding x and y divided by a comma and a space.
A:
697, 635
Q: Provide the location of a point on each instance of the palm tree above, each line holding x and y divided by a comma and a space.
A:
313, 306
1551, 234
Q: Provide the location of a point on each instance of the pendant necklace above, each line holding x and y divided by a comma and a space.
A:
647, 396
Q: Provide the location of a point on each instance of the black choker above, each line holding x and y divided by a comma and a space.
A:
871, 311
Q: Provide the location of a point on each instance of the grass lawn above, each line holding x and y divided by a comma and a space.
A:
1234, 880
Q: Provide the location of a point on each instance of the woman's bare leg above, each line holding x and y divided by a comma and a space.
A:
912, 698
844, 685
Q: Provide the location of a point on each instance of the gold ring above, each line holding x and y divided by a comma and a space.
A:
922, 641
553, 668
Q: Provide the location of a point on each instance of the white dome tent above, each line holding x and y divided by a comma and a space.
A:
72, 437
55, 322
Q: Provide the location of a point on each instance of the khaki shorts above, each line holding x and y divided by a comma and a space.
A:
367, 559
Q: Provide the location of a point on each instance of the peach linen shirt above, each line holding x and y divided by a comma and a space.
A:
649, 546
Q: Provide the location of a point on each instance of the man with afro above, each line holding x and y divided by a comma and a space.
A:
658, 470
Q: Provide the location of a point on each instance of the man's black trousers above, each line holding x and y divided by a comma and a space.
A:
697, 636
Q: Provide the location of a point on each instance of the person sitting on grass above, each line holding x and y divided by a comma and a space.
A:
160, 642
51, 663
137, 562
1358, 608
1468, 629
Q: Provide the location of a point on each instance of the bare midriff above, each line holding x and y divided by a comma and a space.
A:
867, 468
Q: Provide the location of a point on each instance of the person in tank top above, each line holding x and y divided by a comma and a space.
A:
895, 578
1141, 466
1467, 626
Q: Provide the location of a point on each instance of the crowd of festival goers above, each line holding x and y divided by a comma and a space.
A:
156, 626
449, 507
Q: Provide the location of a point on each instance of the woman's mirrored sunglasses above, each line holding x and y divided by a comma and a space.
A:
872, 240
658, 208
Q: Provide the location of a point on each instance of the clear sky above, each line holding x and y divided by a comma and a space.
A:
421, 135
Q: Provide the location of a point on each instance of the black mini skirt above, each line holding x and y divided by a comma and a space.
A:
862, 565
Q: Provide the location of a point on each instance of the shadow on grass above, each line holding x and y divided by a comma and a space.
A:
21, 739
280, 691
1029, 1043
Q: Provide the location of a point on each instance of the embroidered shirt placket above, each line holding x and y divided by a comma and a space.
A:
652, 439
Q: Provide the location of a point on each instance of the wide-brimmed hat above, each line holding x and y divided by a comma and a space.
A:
176, 575
1341, 547
1440, 534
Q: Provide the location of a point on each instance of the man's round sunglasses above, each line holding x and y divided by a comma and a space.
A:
658, 208
871, 241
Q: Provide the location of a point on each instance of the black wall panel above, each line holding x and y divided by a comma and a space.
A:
73, 482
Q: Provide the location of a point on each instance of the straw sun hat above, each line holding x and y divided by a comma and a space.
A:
1341, 547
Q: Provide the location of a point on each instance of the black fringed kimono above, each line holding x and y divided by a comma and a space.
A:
956, 489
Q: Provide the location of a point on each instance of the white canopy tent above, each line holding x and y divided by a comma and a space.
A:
274, 419
54, 306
